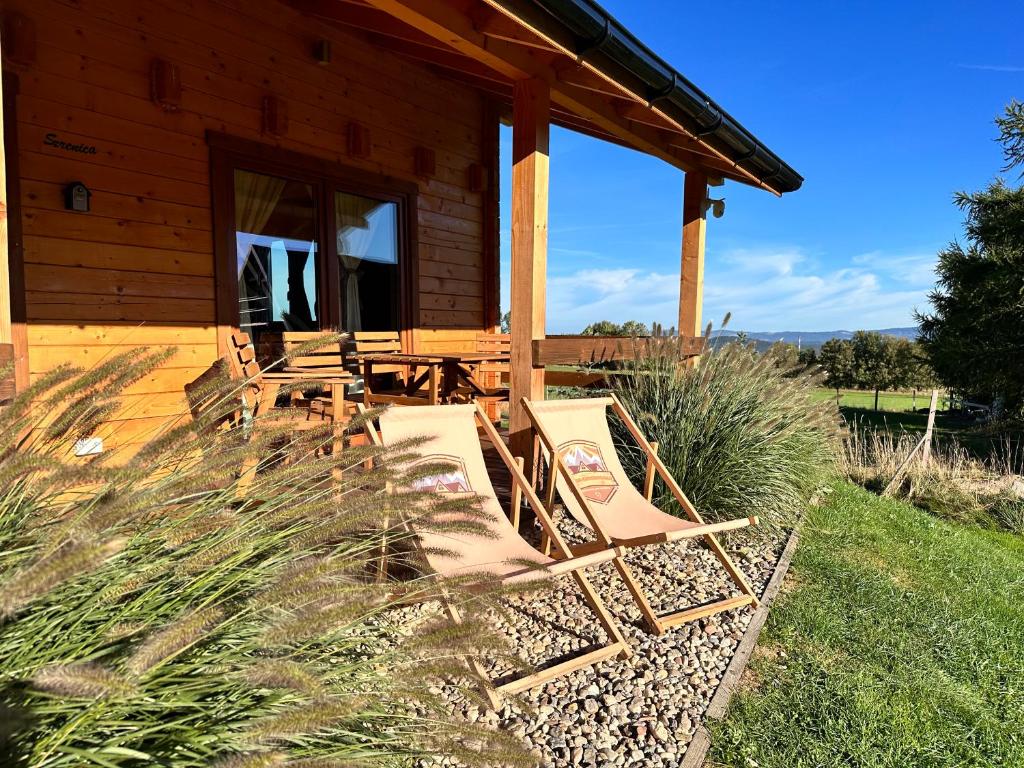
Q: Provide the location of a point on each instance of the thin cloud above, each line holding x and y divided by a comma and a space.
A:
993, 67
764, 289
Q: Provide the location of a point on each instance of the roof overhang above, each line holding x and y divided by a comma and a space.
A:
604, 82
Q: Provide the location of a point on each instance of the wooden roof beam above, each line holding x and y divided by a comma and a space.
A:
454, 28
365, 18
501, 27
446, 59
581, 77
451, 26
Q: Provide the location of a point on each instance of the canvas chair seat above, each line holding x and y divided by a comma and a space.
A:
450, 436
597, 492
579, 429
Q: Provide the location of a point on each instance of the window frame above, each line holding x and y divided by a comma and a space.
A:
228, 153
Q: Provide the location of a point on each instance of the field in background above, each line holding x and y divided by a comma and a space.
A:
887, 401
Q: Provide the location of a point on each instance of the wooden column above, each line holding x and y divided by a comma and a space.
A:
691, 274
530, 127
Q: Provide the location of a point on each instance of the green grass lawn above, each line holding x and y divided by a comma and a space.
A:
887, 401
899, 641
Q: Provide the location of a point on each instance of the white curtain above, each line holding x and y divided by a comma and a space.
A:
354, 236
256, 197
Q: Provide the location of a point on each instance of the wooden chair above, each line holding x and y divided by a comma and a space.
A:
274, 346
390, 383
450, 433
207, 395
318, 365
593, 486
495, 375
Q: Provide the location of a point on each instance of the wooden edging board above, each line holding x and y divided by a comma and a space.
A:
701, 741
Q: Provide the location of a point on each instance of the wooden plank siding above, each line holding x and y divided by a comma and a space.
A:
138, 269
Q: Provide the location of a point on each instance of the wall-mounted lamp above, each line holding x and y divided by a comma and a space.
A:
76, 197
717, 207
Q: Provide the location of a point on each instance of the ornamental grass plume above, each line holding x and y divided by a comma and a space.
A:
156, 608
741, 435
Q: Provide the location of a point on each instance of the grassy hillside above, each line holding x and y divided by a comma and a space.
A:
899, 642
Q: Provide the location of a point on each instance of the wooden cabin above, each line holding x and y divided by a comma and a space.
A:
175, 170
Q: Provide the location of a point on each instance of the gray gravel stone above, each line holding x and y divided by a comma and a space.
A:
639, 712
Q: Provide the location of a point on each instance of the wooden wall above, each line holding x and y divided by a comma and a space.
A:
138, 269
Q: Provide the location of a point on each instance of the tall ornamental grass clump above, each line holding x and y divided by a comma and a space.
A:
153, 613
742, 435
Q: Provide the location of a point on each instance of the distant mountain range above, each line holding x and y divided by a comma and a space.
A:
765, 339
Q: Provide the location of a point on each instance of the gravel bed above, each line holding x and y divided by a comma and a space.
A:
639, 711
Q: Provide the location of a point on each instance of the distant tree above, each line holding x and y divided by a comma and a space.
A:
807, 357
836, 360
601, 328
974, 337
633, 328
786, 355
506, 323
875, 364
608, 328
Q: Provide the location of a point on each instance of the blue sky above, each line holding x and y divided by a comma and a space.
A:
886, 109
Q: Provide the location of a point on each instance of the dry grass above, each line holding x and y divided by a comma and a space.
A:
951, 484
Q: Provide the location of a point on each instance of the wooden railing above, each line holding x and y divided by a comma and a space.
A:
588, 350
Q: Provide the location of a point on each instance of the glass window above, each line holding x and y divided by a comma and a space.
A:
277, 254
366, 232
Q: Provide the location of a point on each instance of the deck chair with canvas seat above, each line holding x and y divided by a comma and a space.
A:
595, 489
450, 437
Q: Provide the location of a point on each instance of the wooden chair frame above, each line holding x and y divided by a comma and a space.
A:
521, 487
263, 387
655, 466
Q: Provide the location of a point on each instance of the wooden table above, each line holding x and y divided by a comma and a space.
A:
459, 368
431, 376
443, 373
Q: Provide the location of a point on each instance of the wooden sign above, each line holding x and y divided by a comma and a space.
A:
275, 116
165, 85
55, 141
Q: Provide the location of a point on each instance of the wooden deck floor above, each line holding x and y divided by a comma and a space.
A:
501, 479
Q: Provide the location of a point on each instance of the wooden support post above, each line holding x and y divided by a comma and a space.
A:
531, 108
691, 273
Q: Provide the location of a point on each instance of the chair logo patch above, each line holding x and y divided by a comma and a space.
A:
454, 481
589, 470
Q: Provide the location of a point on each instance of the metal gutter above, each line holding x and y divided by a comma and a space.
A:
594, 36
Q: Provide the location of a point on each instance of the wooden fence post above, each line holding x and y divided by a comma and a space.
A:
927, 455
